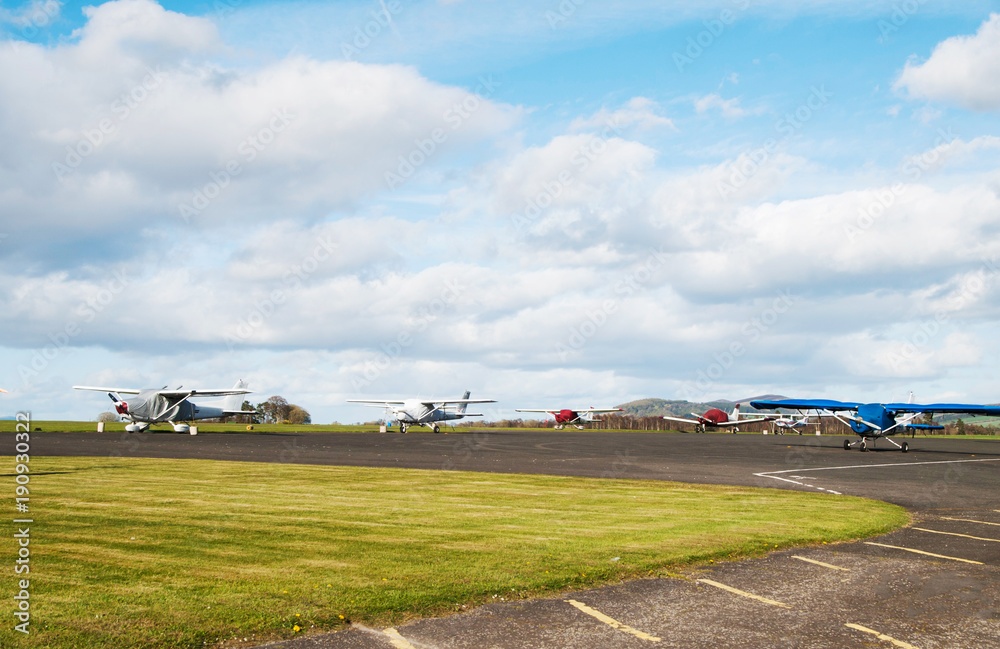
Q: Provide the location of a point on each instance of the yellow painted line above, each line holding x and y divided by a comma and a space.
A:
964, 536
969, 520
397, 640
611, 621
743, 593
929, 554
880, 636
820, 563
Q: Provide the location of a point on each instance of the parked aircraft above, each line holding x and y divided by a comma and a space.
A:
171, 406
425, 412
875, 420
716, 418
567, 416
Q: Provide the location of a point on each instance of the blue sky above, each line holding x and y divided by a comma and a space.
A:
548, 204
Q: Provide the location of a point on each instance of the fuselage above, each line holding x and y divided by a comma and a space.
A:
152, 408
414, 412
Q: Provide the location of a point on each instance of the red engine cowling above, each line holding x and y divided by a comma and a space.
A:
122, 408
716, 416
565, 416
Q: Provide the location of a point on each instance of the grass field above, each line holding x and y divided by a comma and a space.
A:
195, 553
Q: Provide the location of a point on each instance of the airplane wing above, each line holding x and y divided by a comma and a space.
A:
376, 402
806, 404
177, 394
949, 408
599, 410
551, 412
118, 390
431, 402
683, 420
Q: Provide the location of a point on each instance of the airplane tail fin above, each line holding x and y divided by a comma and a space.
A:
736, 412
462, 408
234, 402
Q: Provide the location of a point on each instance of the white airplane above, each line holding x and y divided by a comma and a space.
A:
795, 423
425, 412
157, 406
716, 418
567, 416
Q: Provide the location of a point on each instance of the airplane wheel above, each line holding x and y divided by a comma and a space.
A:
847, 444
864, 447
402, 429
905, 447
437, 429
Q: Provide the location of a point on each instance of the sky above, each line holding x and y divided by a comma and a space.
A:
551, 204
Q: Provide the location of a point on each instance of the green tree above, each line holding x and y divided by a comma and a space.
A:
959, 427
298, 415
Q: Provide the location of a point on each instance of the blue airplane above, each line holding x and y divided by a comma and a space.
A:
875, 420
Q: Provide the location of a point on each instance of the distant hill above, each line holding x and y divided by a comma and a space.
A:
682, 408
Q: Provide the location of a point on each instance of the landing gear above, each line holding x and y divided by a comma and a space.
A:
437, 429
735, 429
847, 444
402, 429
864, 446
904, 447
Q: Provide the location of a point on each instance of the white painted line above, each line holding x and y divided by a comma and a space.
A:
611, 621
397, 640
964, 536
880, 636
743, 593
968, 520
929, 554
773, 474
820, 563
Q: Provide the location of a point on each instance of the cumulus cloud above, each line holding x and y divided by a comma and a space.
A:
134, 124
639, 112
961, 70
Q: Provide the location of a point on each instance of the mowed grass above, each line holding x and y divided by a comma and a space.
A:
130, 552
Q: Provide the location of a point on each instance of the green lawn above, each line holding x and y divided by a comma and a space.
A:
192, 553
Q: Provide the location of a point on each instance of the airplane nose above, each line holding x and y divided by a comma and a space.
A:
122, 408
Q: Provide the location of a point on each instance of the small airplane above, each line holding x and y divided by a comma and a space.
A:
424, 412
716, 418
567, 416
876, 420
171, 406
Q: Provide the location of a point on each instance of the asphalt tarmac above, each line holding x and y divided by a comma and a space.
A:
932, 584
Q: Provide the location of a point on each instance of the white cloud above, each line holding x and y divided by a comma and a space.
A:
961, 70
730, 108
135, 124
639, 112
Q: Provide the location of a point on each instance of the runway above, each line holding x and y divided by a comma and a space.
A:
933, 584
936, 473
